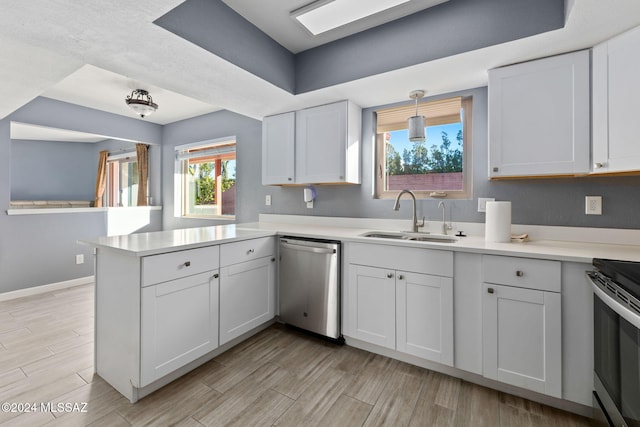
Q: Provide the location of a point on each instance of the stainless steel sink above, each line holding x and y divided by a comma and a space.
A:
418, 237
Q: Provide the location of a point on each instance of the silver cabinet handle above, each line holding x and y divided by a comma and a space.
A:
519, 273
598, 165
289, 179
389, 275
250, 251
215, 276
401, 277
187, 263
273, 260
490, 290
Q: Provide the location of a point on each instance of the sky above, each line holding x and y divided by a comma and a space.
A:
400, 139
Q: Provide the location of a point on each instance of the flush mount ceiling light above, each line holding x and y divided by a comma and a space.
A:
416, 123
141, 102
325, 15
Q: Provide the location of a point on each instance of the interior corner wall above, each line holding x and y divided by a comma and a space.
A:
249, 190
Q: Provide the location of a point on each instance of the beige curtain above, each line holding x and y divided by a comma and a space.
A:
101, 178
142, 152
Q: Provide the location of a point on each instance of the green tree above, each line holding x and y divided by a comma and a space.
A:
394, 163
205, 182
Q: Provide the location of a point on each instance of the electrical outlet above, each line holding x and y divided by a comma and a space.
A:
482, 203
267, 200
593, 205
80, 259
310, 205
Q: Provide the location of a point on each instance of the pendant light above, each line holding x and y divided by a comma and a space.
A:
416, 123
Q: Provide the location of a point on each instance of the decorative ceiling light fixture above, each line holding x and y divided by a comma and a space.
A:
141, 102
416, 123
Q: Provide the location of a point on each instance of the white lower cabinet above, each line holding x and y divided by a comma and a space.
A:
521, 326
247, 286
424, 316
403, 310
179, 323
247, 296
371, 305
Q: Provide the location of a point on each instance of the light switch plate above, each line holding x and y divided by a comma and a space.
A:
593, 205
267, 200
482, 203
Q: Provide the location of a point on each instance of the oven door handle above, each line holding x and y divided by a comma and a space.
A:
614, 305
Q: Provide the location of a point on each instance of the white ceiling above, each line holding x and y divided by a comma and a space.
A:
44, 43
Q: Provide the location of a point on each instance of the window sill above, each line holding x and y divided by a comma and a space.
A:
218, 217
45, 211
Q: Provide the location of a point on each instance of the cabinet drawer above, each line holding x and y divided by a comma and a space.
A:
522, 272
417, 260
173, 265
246, 250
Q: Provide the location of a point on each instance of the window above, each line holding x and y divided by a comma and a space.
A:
205, 184
122, 180
438, 167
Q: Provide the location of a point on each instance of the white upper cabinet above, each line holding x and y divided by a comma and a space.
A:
278, 152
616, 102
539, 117
318, 145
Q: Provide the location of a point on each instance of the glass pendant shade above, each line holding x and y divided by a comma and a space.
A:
416, 129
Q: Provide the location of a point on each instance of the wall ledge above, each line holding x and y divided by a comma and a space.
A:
41, 211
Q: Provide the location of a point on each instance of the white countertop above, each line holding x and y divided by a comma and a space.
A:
156, 242
143, 244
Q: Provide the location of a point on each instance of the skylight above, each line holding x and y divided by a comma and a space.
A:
322, 16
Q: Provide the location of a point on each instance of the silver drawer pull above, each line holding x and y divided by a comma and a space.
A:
401, 277
250, 251
187, 263
490, 290
389, 275
215, 276
519, 273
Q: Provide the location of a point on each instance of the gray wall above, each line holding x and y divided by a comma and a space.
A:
216, 27
249, 189
447, 29
69, 168
444, 30
40, 249
557, 202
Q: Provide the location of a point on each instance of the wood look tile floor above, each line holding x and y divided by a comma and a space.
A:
277, 378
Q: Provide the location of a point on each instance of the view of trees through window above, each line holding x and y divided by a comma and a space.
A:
204, 175
414, 165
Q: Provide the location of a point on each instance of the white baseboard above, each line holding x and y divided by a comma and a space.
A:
6, 296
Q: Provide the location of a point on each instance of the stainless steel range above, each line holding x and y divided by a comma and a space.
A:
616, 305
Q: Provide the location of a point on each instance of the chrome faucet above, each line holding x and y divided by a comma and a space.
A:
445, 226
414, 220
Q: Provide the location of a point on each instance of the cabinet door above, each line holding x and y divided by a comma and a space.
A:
539, 116
179, 323
371, 307
321, 144
278, 149
424, 313
522, 338
247, 296
616, 101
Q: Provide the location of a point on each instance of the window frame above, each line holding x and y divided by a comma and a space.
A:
467, 164
109, 194
181, 167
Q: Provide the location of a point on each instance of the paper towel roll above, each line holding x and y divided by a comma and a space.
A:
498, 222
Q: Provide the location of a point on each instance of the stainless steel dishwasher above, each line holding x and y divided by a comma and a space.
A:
309, 285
